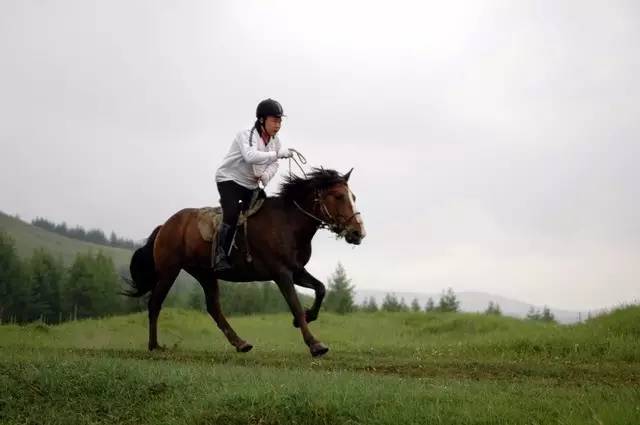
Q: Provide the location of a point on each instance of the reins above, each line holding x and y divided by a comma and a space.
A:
302, 161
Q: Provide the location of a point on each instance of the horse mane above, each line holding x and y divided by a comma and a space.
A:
295, 188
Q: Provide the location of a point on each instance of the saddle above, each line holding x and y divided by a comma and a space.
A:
210, 218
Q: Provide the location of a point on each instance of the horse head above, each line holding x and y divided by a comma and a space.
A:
338, 204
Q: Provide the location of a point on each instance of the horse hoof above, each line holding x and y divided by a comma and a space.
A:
318, 349
245, 347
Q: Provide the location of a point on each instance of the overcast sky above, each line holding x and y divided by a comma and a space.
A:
495, 144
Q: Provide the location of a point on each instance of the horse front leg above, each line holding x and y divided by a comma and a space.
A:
285, 284
306, 280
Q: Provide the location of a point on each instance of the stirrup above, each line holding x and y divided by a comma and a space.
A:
221, 264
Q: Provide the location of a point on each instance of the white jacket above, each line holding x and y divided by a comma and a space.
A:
249, 160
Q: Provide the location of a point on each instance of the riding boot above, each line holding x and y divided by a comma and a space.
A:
221, 261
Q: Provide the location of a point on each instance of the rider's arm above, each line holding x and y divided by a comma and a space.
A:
269, 172
272, 168
249, 151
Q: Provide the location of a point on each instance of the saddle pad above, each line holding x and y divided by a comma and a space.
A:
210, 218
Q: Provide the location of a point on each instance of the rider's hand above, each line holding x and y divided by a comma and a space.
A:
284, 153
264, 179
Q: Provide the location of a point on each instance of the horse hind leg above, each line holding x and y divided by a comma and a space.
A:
158, 294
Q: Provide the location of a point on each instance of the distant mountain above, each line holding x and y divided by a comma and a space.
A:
477, 302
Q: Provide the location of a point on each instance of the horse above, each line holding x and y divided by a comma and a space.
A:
278, 238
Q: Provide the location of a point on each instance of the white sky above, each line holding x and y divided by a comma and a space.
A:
494, 143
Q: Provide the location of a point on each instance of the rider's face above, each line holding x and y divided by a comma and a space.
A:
272, 125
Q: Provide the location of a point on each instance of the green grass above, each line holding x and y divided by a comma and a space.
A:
29, 237
382, 369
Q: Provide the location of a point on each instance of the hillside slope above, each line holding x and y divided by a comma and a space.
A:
28, 238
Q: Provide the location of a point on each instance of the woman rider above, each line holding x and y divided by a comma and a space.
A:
252, 158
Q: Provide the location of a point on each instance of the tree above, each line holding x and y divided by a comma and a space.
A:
15, 294
113, 239
430, 306
493, 309
547, 316
448, 302
370, 305
109, 285
390, 303
533, 314
403, 305
196, 298
340, 292
544, 316
78, 232
46, 281
415, 305
92, 287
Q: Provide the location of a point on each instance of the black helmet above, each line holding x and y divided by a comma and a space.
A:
269, 108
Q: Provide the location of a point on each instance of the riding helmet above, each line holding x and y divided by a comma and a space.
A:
269, 108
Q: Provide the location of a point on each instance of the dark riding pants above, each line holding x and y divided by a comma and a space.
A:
234, 198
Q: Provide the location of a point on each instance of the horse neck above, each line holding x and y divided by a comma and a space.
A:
300, 223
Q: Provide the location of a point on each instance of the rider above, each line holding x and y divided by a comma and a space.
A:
252, 158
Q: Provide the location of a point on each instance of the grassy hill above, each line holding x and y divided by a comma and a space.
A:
384, 368
29, 237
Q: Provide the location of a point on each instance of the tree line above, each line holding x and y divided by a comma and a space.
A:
42, 288
340, 299
96, 236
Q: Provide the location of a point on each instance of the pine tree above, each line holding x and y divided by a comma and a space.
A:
415, 305
46, 280
493, 309
15, 293
340, 292
547, 316
448, 302
430, 306
533, 314
403, 305
390, 303
109, 285
92, 287
370, 305
196, 299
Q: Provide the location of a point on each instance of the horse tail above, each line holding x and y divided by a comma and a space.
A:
143, 269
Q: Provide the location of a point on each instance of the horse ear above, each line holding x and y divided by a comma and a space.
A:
346, 176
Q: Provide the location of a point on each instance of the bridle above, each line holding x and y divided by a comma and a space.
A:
339, 227
332, 224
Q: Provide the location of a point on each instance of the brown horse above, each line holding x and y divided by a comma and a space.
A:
279, 240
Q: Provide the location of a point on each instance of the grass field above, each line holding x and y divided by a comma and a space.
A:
382, 369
